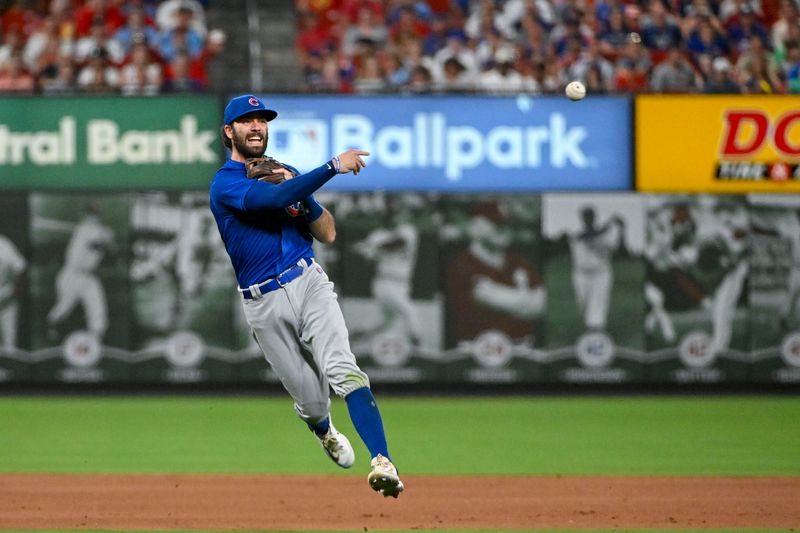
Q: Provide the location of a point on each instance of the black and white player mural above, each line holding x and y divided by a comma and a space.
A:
696, 321
775, 288
14, 303
12, 266
78, 277
494, 292
594, 277
182, 290
386, 257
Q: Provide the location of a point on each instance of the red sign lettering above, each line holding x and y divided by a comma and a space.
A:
734, 120
733, 145
782, 134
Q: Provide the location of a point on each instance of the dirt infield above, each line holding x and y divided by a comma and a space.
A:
225, 502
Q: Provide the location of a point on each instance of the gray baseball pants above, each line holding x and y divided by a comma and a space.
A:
301, 331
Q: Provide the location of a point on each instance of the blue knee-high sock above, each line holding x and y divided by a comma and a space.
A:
320, 428
367, 420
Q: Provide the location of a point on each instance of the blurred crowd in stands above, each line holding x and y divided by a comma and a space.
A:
129, 47
145, 47
537, 46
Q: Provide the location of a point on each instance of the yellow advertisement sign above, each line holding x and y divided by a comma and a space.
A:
730, 144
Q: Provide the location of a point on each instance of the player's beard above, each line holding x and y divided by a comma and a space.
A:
247, 151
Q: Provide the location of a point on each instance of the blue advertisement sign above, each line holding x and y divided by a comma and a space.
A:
460, 143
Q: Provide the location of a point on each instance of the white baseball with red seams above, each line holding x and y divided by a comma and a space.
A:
575, 90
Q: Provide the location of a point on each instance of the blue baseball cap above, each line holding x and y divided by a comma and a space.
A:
244, 105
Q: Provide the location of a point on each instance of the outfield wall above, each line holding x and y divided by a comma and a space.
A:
466, 253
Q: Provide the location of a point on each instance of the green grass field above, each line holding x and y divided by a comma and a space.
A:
477, 435
447, 435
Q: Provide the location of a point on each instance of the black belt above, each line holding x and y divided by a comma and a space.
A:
284, 278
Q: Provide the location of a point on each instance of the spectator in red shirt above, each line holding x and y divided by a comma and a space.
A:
408, 25
327, 12
198, 68
19, 18
178, 79
632, 67
351, 8
98, 38
313, 36
105, 10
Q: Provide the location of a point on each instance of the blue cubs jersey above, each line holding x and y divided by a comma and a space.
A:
263, 225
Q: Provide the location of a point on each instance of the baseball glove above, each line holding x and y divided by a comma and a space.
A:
267, 169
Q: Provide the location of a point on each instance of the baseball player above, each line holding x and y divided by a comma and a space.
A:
660, 259
288, 300
394, 250
186, 261
490, 287
670, 252
194, 248
12, 264
724, 242
77, 281
592, 275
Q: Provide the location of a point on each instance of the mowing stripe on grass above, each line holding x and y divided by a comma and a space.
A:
475, 435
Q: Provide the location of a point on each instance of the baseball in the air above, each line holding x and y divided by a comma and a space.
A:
575, 90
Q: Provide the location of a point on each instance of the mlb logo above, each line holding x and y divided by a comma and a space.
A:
302, 143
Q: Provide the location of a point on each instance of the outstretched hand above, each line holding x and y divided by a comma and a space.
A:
351, 161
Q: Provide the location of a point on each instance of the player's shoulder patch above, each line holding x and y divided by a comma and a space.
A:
296, 210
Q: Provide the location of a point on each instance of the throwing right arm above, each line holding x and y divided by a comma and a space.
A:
268, 196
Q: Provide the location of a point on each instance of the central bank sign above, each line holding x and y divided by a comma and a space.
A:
460, 143
79, 143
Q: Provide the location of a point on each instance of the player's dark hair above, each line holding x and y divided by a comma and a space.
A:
225, 139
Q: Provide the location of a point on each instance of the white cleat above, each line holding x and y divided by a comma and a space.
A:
338, 448
384, 477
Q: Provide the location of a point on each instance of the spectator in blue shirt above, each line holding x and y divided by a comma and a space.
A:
181, 38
